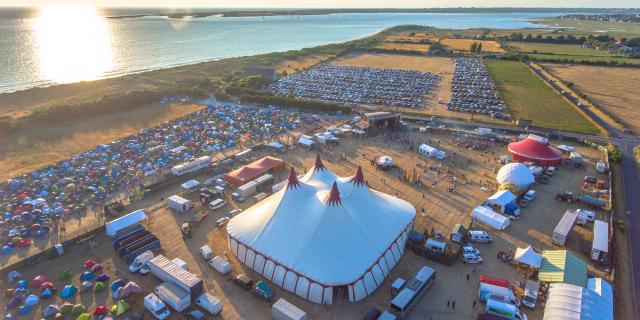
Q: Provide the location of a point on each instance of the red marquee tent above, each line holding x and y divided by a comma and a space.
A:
535, 149
253, 170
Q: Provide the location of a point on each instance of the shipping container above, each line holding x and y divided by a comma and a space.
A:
168, 271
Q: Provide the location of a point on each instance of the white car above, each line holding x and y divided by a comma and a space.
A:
471, 258
220, 222
235, 212
470, 249
206, 252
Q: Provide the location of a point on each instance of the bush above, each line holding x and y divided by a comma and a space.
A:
268, 99
614, 153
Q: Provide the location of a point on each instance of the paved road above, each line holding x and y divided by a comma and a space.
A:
631, 183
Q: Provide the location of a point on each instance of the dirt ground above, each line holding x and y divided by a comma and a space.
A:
435, 65
295, 65
34, 148
474, 171
613, 89
465, 44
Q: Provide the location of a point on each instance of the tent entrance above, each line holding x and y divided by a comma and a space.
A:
340, 294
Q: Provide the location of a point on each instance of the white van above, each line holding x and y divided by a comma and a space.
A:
479, 236
209, 303
141, 260
435, 245
217, 204
156, 307
206, 252
220, 264
590, 215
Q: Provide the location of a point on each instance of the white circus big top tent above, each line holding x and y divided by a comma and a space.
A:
516, 173
325, 238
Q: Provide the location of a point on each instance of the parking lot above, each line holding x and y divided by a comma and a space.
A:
473, 162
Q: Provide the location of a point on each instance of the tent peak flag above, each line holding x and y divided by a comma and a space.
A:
318, 164
334, 195
358, 179
293, 179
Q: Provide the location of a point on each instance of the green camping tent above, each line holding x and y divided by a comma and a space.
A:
120, 307
66, 308
84, 316
78, 309
99, 287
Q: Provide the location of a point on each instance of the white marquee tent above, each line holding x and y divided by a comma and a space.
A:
528, 256
324, 238
490, 217
571, 302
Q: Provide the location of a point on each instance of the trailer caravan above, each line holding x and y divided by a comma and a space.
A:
191, 166
600, 245
564, 227
490, 217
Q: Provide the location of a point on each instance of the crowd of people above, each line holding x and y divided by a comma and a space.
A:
33, 204
358, 85
473, 89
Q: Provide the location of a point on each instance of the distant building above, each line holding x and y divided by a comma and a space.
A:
269, 73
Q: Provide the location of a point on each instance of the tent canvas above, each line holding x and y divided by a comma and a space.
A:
571, 302
563, 266
490, 217
190, 184
306, 140
253, 170
120, 307
528, 256
127, 220
276, 145
502, 198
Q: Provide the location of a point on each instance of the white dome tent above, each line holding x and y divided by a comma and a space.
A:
516, 173
324, 238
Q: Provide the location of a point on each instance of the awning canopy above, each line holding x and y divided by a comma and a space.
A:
528, 256
502, 198
571, 302
564, 267
253, 170
190, 184
127, 220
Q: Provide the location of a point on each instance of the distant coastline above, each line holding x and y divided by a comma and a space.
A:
306, 12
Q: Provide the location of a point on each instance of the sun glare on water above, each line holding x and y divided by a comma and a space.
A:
74, 43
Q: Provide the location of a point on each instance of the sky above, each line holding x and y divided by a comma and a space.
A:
334, 3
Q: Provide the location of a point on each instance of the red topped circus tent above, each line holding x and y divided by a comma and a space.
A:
325, 238
253, 170
535, 149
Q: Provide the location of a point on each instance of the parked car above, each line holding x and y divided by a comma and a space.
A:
222, 221
237, 197
479, 236
524, 203
471, 258
234, 212
470, 249
530, 195
217, 204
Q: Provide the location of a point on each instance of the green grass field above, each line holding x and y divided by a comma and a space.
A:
568, 49
578, 27
578, 58
531, 99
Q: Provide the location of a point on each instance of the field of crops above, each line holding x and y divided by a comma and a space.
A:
552, 48
577, 58
530, 98
464, 44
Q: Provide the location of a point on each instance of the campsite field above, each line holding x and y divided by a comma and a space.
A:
413, 47
552, 48
465, 44
437, 209
614, 90
34, 148
529, 98
396, 61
